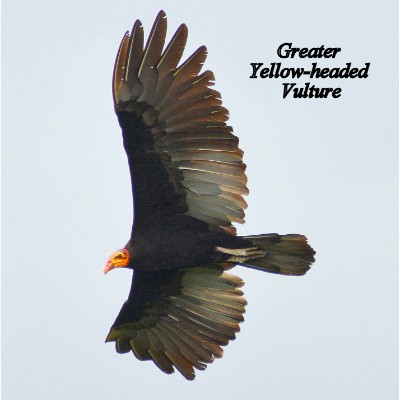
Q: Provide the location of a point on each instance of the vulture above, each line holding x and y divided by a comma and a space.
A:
188, 182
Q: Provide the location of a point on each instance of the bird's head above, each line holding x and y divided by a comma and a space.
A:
118, 259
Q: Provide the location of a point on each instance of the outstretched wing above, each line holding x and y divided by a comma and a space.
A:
182, 156
180, 318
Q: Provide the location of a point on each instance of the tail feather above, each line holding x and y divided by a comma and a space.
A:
279, 254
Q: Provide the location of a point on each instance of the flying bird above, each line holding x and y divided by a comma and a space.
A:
188, 182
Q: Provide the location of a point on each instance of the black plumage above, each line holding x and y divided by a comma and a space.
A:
188, 181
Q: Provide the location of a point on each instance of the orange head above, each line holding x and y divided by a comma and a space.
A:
118, 259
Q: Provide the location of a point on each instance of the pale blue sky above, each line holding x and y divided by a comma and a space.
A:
324, 168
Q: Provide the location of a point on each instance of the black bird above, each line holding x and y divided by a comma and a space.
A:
188, 182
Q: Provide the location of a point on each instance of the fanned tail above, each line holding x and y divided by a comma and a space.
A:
279, 254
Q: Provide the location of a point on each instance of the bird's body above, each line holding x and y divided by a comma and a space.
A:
177, 242
188, 182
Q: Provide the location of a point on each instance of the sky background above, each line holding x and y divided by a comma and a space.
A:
326, 168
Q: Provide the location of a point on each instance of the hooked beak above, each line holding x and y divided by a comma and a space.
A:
108, 267
118, 259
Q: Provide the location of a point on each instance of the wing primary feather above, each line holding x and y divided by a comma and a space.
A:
140, 345
119, 68
184, 348
122, 345
168, 62
211, 348
193, 340
173, 353
157, 352
135, 54
147, 71
174, 50
191, 67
